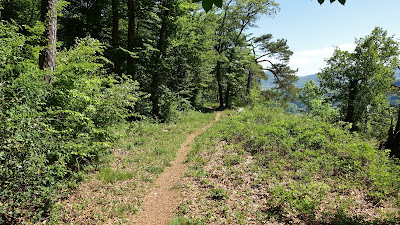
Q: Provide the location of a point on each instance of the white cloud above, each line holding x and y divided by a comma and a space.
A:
312, 61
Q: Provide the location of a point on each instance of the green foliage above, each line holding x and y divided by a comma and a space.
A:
233, 160
284, 76
306, 162
80, 81
24, 141
316, 102
172, 105
51, 133
184, 221
16, 56
258, 98
359, 82
25, 12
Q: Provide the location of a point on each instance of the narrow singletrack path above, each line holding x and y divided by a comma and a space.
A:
160, 202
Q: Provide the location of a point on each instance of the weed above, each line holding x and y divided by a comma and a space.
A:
155, 169
233, 160
218, 194
183, 209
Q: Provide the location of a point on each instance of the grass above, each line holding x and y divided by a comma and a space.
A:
110, 175
113, 194
283, 168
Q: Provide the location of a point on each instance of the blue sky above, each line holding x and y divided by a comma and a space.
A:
312, 30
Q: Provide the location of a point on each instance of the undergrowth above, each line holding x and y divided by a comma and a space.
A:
152, 146
311, 171
141, 153
52, 133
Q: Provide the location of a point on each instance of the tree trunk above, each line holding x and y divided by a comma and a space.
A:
351, 107
95, 19
115, 37
228, 91
131, 36
393, 141
228, 96
47, 58
219, 81
157, 75
249, 81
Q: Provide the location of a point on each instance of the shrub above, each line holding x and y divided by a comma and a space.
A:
51, 133
317, 103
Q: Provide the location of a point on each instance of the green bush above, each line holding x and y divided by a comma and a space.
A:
317, 104
51, 133
171, 104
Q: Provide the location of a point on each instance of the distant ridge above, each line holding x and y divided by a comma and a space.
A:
268, 84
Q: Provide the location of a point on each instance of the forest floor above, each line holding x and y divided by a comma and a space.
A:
136, 184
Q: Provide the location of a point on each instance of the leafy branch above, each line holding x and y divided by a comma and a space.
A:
207, 4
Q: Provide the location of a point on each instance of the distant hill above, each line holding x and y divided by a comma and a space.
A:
302, 80
268, 84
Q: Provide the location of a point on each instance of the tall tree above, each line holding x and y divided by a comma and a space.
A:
115, 37
234, 18
275, 56
132, 16
47, 59
165, 15
190, 54
85, 18
362, 78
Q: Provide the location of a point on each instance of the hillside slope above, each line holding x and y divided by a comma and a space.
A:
265, 166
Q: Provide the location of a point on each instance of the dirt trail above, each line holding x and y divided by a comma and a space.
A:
159, 204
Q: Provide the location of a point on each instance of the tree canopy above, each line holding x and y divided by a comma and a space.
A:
359, 81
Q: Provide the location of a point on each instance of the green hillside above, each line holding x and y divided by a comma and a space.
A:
285, 169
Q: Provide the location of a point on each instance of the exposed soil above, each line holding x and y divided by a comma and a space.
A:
160, 202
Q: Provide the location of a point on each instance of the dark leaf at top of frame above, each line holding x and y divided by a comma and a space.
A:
207, 4
341, 1
218, 3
